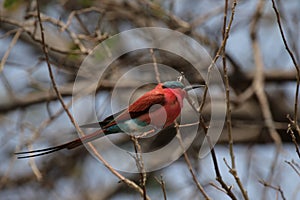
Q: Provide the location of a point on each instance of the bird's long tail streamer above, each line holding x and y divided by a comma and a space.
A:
69, 145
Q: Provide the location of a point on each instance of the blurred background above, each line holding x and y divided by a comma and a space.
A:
262, 83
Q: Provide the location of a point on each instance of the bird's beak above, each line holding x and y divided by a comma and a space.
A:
191, 87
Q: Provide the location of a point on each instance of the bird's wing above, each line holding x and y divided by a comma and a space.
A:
139, 107
144, 103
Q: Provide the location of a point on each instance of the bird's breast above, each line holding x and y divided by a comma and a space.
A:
173, 105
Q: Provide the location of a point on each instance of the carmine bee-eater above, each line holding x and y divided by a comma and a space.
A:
169, 95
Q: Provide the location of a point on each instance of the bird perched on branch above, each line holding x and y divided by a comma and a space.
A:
157, 108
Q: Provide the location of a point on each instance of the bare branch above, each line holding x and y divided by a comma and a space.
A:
294, 62
140, 165
127, 181
232, 169
293, 166
188, 162
11, 45
163, 186
273, 187
258, 83
219, 178
291, 132
157, 75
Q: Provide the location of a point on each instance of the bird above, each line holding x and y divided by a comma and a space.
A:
141, 113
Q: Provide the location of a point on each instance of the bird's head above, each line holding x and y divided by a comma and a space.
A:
173, 85
178, 88
179, 85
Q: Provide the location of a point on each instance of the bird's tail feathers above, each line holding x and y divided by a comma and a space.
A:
69, 145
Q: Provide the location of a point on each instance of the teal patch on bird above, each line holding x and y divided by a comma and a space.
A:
173, 84
113, 129
133, 125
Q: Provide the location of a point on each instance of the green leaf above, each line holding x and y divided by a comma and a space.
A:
9, 3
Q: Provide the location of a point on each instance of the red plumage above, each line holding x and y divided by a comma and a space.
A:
167, 96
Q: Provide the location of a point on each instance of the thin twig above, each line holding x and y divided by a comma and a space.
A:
204, 18
291, 132
218, 173
58, 94
140, 165
28, 29
157, 75
11, 45
188, 162
78, 12
213, 154
35, 169
227, 88
273, 187
117, 174
106, 164
290, 29
163, 186
217, 187
32, 161
259, 85
73, 36
8, 87
293, 166
218, 54
5, 175
258, 82
44, 124
296, 165
8, 33
232, 169
294, 62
